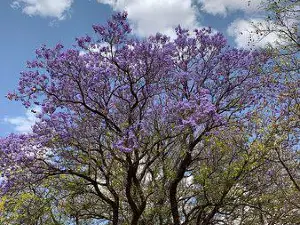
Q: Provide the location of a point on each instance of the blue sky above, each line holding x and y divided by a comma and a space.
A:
27, 24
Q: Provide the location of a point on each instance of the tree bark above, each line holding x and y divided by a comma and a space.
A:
173, 187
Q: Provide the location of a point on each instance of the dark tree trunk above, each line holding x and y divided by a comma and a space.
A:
173, 187
115, 220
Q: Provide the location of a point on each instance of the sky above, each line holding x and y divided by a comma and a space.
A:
25, 25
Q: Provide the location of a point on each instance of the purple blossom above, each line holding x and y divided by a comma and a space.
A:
129, 93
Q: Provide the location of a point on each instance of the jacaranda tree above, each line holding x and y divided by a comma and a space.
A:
138, 131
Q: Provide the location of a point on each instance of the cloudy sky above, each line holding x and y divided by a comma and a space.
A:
27, 24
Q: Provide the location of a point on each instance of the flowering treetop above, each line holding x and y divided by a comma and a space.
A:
116, 97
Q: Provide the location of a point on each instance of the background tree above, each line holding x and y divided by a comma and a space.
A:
283, 135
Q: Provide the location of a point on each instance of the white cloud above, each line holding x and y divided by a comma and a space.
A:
223, 7
151, 16
23, 124
246, 36
46, 8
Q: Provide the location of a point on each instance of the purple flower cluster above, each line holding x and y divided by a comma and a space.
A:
127, 94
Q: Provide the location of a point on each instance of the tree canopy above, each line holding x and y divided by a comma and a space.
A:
152, 131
